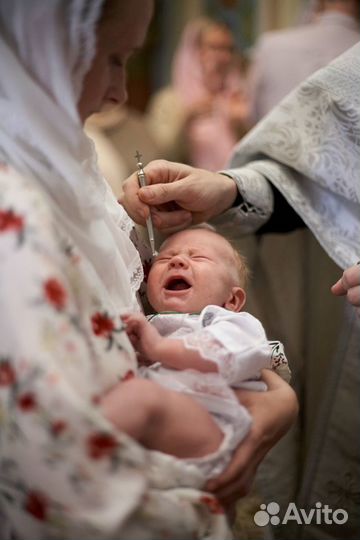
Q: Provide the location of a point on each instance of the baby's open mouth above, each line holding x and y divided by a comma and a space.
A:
177, 284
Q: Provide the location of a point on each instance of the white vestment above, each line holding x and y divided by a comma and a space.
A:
308, 147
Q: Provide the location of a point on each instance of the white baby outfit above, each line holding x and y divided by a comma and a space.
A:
237, 343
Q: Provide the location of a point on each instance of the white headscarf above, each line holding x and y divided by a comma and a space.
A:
46, 48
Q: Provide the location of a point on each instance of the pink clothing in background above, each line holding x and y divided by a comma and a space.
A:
285, 58
210, 136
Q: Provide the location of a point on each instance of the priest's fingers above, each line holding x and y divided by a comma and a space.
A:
349, 285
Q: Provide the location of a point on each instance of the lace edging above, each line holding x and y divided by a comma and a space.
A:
256, 207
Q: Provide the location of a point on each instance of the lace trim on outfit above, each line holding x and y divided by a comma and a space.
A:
277, 354
209, 348
279, 362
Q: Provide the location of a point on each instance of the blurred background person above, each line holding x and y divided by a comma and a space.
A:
117, 132
284, 58
201, 115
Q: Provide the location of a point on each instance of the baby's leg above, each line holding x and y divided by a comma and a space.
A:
165, 420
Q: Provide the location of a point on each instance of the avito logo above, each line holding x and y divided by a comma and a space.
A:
268, 513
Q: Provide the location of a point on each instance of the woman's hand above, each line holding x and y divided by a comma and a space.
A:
178, 195
273, 413
349, 285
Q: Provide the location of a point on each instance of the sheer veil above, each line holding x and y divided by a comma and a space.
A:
46, 48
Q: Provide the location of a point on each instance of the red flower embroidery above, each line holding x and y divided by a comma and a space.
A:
128, 376
27, 402
7, 374
213, 504
102, 325
100, 445
9, 221
55, 293
36, 504
57, 427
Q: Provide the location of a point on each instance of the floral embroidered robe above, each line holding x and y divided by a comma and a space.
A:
65, 472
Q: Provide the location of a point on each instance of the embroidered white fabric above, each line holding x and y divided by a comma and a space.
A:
45, 141
308, 147
237, 343
255, 209
211, 349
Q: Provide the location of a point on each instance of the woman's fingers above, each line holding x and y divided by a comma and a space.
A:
243, 456
230, 493
273, 381
273, 413
286, 402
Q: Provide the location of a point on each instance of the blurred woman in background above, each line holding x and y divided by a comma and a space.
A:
203, 113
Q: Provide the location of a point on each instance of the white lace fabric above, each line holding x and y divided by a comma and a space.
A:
256, 207
46, 48
213, 349
308, 147
237, 344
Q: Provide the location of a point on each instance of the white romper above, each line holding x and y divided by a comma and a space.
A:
237, 343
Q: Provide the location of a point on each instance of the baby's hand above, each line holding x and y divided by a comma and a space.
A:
143, 336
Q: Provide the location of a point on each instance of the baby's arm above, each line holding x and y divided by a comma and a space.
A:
169, 352
235, 342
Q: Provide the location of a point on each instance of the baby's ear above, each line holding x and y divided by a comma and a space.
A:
236, 299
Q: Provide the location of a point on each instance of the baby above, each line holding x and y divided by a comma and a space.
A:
196, 348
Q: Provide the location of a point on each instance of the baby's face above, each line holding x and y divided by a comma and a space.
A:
194, 268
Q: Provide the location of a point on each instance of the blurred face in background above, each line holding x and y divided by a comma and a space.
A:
121, 31
216, 51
